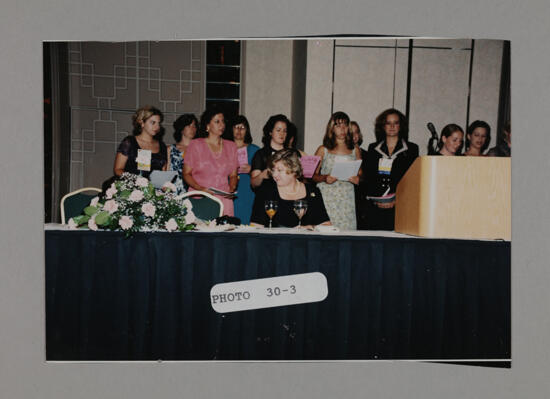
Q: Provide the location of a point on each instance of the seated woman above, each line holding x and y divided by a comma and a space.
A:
146, 143
478, 136
274, 139
451, 140
387, 161
240, 134
211, 161
285, 188
185, 129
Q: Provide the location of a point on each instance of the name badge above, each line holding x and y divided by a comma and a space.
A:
384, 166
143, 160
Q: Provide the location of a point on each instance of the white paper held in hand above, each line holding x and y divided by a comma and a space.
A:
343, 170
269, 292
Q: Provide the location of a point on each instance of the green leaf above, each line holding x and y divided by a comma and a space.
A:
103, 218
90, 210
125, 193
81, 219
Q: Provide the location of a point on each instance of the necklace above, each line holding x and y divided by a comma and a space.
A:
216, 153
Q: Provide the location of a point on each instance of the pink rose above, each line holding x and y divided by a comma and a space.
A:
92, 225
110, 192
110, 206
148, 209
190, 217
142, 182
171, 225
94, 201
126, 222
136, 196
72, 224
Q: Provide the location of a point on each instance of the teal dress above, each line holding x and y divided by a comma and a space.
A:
245, 196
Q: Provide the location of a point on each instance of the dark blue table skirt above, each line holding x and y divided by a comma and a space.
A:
147, 297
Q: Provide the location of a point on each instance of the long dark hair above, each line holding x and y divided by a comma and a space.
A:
329, 140
380, 122
270, 125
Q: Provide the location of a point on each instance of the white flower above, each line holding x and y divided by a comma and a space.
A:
72, 224
170, 186
91, 224
136, 196
110, 206
187, 204
126, 222
94, 201
171, 225
110, 192
148, 209
142, 182
190, 217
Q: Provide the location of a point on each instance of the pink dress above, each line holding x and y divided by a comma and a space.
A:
213, 170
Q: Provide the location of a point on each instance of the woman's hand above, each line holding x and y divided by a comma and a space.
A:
385, 205
330, 179
245, 168
354, 180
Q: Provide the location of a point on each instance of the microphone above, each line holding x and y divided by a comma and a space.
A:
432, 143
431, 128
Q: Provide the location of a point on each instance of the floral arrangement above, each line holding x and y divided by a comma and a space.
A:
132, 204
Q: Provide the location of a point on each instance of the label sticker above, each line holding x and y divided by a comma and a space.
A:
269, 292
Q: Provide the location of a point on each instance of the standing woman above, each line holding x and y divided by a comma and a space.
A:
338, 195
274, 138
240, 134
450, 142
185, 129
478, 136
211, 161
147, 135
387, 161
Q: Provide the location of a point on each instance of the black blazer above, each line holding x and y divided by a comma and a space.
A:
403, 156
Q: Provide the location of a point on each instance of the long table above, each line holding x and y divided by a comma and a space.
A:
147, 297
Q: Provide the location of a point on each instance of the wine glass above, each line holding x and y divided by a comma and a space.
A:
300, 208
271, 209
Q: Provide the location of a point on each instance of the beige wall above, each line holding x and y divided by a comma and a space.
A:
370, 75
318, 92
267, 82
109, 81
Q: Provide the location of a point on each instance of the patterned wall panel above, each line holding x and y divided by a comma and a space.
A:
109, 81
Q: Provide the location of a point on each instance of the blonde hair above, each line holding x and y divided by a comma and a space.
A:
142, 114
290, 158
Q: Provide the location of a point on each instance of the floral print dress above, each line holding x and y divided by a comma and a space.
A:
339, 197
176, 163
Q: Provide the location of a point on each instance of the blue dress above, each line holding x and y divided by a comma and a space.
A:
245, 196
176, 163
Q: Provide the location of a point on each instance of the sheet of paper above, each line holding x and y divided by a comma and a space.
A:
242, 156
221, 192
343, 170
309, 163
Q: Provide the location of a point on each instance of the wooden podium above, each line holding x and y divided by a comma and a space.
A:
455, 197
